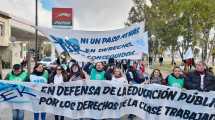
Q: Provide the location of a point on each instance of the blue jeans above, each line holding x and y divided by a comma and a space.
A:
18, 114
43, 116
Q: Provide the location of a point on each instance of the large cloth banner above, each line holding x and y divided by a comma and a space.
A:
106, 99
127, 43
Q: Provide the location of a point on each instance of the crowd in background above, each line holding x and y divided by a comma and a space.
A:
125, 71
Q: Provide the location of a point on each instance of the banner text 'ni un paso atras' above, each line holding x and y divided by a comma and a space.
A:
128, 43
107, 99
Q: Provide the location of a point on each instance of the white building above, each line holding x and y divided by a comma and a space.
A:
16, 39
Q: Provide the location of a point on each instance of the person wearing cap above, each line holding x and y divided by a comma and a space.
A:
39, 76
18, 74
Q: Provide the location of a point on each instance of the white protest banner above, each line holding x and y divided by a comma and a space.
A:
107, 99
188, 54
126, 43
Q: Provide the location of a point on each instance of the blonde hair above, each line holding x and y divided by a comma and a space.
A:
121, 74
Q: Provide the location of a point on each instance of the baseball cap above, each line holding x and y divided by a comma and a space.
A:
16, 66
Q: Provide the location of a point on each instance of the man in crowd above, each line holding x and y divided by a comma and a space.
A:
161, 60
200, 79
18, 74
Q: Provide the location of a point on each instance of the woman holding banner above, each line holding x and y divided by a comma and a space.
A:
38, 76
76, 73
157, 77
59, 76
118, 76
175, 79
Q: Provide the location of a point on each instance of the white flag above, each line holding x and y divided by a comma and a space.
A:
188, 54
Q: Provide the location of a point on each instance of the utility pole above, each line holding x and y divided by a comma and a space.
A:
36, 32
1, 68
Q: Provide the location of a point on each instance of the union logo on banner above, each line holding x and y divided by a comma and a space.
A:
62, 17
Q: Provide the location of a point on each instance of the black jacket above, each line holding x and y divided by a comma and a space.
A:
193, 81
136, 76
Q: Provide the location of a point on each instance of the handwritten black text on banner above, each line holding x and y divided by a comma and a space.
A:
127, 43
109, 99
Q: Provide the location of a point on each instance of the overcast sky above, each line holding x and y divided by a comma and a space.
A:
88, 14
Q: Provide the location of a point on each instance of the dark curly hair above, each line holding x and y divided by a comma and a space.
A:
153, 72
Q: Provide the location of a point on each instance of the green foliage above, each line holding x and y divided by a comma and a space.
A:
169, 19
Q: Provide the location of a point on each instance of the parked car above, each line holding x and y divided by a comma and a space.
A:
47, 61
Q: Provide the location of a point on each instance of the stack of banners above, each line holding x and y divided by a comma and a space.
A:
108, 99
128, 43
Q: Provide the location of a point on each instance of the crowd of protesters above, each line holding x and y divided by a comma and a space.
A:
125, 71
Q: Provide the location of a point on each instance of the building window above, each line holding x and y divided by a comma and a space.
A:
1, 29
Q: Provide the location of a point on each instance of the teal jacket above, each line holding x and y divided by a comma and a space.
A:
96, 75
175, 82
22, 77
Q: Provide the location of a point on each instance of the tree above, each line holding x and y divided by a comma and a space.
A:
166, 20
201, 16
